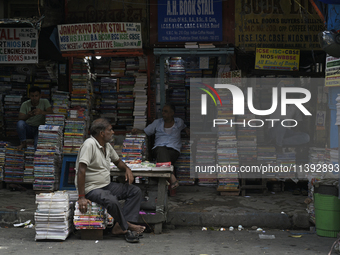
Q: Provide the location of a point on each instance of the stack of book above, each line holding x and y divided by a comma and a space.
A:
60, 102
132, 66
206, 45
182, 164
287, 160
125, 102
108, 104
316, 155
134, 149
101, 66
29, 162
143, 63
227, 147
74, 135
96, 217
55, 120
14, 165
191, 45
53, 217
3, 146
176, 93
141, 98
205, 158
82, 89
12, 105
47, 158
117, 67
246, 140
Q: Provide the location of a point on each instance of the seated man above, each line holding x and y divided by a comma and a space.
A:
32, 114
93, 181
286, 136
167, 132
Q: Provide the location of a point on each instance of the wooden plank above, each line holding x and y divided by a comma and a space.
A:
91, 234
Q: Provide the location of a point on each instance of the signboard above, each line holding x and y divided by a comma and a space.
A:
277, 59
189, 20
332, 71
100, 36
276, 24
18, 45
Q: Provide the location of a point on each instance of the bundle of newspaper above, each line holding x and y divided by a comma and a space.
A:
96, 217
53, 217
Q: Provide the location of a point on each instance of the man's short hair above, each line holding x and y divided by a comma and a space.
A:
172, 106
98, 125
34, 89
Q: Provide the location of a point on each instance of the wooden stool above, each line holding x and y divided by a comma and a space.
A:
91, 234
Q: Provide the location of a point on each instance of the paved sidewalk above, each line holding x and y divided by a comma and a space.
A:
194, 206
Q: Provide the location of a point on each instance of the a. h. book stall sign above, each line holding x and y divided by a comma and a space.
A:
100, 36
18, 45
189, 20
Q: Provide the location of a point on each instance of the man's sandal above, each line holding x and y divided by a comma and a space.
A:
174, 185
131, 237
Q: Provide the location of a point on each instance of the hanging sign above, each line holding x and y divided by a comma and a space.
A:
18, 45
332, 72
276, 24
277, 59
189, 21
100, 36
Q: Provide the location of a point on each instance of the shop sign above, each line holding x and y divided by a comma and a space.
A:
100, 36
277, 59
189, 20
332, 72
18, 45
276, 24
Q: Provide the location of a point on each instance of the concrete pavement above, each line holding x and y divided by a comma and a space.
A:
195, 206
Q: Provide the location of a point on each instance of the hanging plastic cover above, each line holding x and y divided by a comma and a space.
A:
34, 22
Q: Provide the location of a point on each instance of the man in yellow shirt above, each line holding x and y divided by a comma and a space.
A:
32, 114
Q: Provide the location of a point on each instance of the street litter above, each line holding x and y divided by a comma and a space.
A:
22, 224
261, 236
204, 229
239, 227
295, 236
231, 228
96, 241
259, 230
29, 226
222, 229
22, 210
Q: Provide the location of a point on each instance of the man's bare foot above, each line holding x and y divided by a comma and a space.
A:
117, 230
138, 228
22, 146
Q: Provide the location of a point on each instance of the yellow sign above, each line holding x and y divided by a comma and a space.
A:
332, 72
276, 24
277, 59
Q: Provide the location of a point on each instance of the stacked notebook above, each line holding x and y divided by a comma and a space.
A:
96, 217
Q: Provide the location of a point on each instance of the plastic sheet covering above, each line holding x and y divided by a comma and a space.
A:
34, 22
